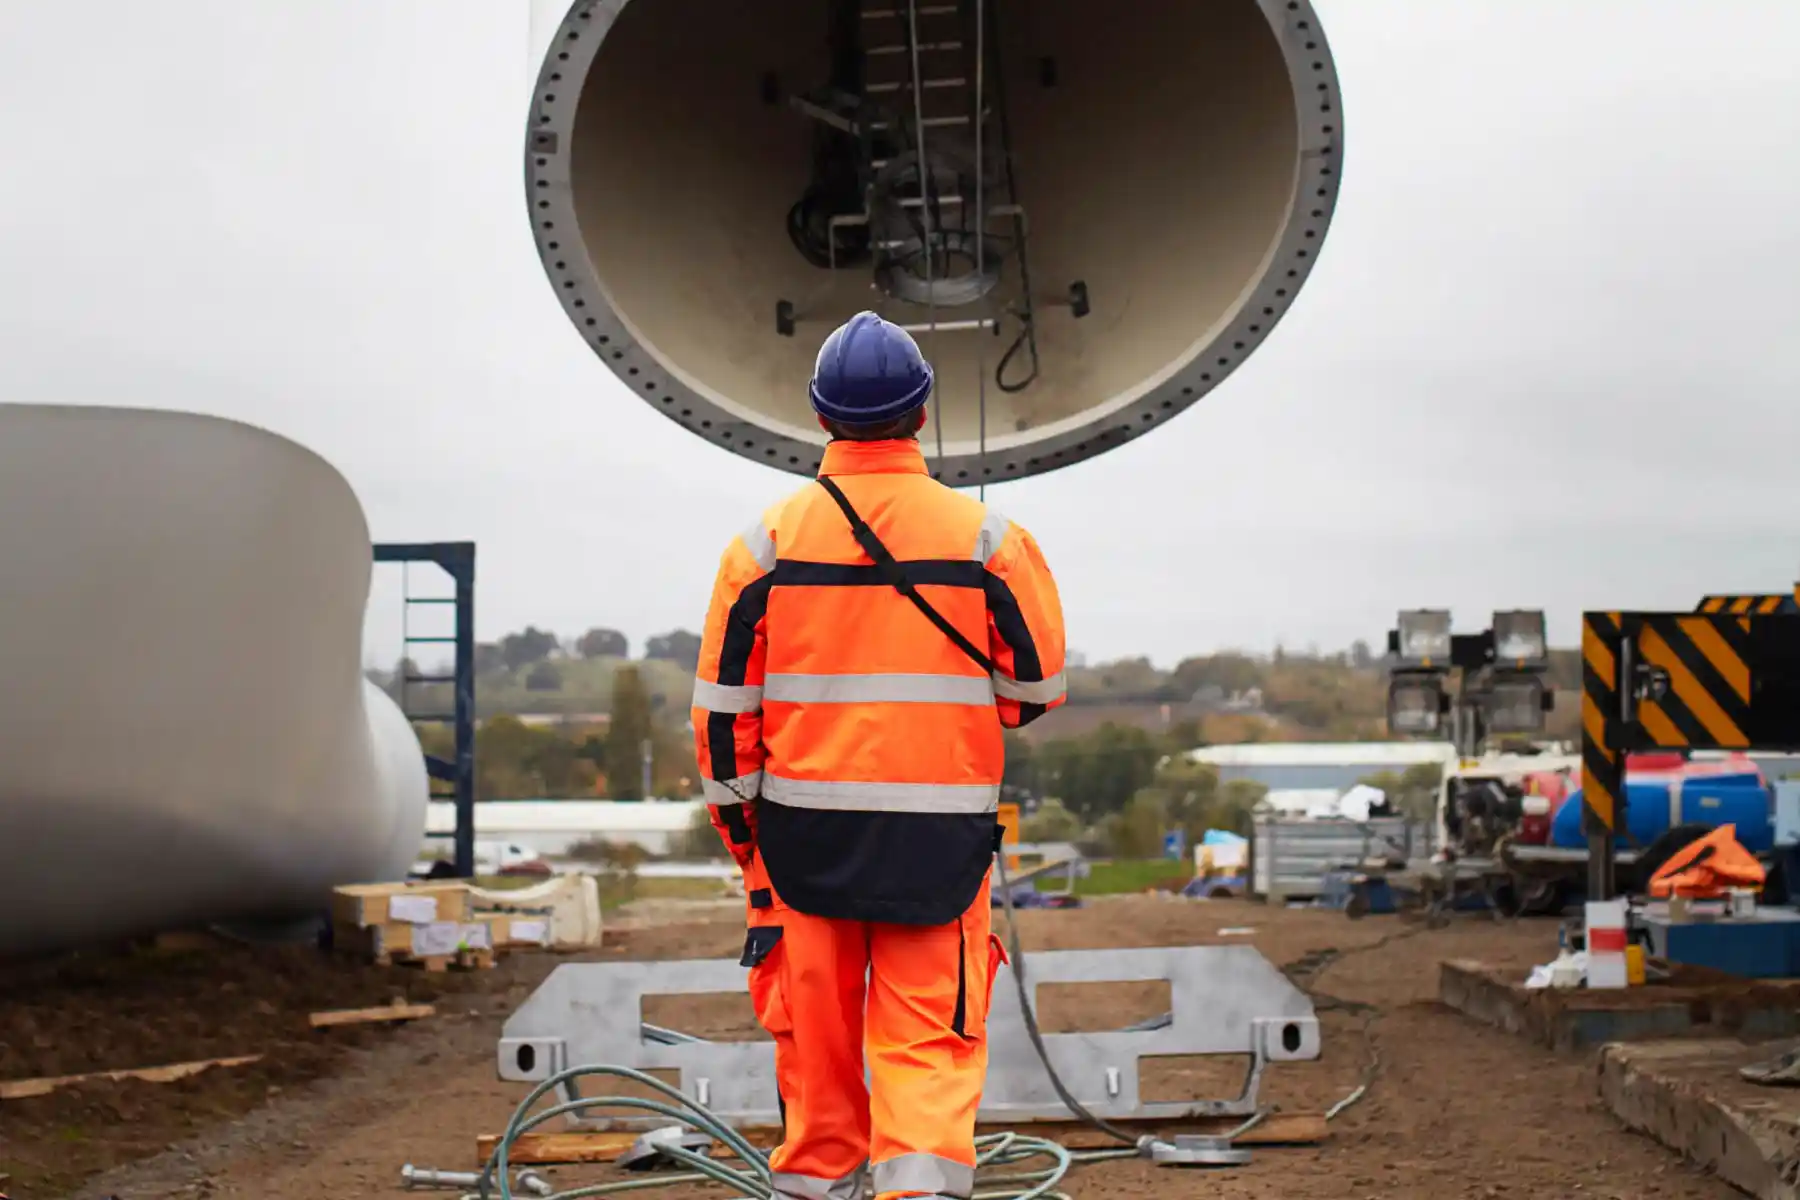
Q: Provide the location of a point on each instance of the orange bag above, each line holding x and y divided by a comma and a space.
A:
1708, 868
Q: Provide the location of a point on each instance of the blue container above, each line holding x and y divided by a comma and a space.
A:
1334, 888
1765, 946
1737, 800
1338, 888
1377, 895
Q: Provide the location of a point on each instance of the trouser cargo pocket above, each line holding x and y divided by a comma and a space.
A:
763, 955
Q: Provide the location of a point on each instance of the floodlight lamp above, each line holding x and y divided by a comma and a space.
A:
1424, 638
1516, 704
1519, 637
1415, 705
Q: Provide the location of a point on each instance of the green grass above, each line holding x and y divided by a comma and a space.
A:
1122, 876
617, 889
508, 883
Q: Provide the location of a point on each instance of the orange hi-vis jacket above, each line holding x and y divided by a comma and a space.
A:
842, 733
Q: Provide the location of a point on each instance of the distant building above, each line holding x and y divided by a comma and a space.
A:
1282, 766
571, 720
1211, 698
551, 827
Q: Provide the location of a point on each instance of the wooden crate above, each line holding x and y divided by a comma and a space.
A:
436, 945
361, 905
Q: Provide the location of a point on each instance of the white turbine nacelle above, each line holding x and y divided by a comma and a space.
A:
186, 734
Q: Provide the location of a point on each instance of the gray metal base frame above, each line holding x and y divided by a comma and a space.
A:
1226, 1000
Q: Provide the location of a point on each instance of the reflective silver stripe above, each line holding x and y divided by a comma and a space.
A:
942, 798
811, 1187
925, 1173
879, 689
761, 544
725, 698
993, 532
732, 791
1048, 691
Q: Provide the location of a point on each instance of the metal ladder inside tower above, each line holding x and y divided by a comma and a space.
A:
944, 73
941, 69
929, 77
930, 41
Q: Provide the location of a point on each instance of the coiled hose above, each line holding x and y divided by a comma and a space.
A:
750, 1177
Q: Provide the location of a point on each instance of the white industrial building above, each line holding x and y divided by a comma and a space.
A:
551, 826
1306, 766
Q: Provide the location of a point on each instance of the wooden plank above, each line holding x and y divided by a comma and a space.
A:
543, 1149
19, 1089
398, 1011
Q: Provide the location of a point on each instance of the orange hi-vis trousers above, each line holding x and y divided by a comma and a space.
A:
909, 1002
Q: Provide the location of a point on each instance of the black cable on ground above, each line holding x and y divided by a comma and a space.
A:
1304, 972
1031, 1026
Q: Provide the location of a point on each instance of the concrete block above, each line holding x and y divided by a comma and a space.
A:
1688, 1096
1695, 1003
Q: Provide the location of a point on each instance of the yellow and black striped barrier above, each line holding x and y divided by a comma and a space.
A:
1697, 692
1767, 605
1602, 758
1719, 680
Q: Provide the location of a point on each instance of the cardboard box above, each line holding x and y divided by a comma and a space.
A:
518, 929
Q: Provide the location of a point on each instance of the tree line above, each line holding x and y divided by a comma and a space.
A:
580, 759
565, 718
1284, 695
543, 664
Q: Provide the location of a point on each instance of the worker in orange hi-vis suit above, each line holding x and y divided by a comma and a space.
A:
869, 638
1708, 868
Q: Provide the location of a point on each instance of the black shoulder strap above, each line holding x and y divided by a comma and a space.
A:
895, 574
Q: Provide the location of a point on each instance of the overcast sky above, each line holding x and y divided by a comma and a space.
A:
1548, 357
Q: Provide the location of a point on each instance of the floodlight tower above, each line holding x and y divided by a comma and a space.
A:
1502, 688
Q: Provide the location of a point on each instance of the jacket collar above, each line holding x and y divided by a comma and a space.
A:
900, 456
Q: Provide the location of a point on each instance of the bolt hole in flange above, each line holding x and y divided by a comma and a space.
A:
1142, 200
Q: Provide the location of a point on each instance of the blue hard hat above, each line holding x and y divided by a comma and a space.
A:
869, 372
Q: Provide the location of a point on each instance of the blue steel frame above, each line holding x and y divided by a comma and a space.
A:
457, 560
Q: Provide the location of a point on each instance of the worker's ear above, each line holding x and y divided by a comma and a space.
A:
919, 418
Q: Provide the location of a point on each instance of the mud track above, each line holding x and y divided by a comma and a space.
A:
1459, 1110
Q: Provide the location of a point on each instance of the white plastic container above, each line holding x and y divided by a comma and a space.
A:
1606, 938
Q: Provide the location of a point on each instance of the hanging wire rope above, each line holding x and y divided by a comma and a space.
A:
925, 196
980, 242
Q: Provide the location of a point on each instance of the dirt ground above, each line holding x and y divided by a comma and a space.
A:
1459, 1110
